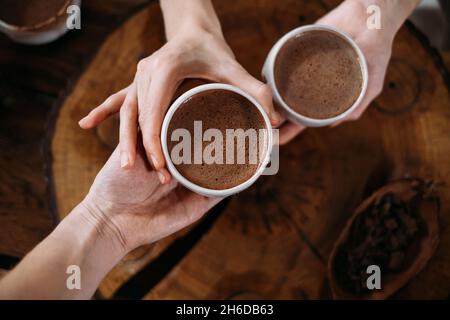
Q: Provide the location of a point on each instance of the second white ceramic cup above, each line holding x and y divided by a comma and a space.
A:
42, 33
189, 184
268, 74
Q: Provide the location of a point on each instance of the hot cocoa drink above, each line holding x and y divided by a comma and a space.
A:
30, 12
229, 114
318, 74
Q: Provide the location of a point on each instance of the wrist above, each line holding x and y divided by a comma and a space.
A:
92, 231
74, 242
198, 16
85, 241
99, 218
393, 13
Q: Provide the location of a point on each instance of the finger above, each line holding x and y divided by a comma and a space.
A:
166, 188
164, 176
128, 129
289, 131
191, 206
151, 114
143, 80
109, 107
282, 121
181, 208
355, 115
239, 77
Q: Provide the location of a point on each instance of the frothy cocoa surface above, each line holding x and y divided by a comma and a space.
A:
29, 12
218, 109
318, 74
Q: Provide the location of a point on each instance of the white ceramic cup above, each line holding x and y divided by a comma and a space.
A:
45, 32
192, 186
268, 74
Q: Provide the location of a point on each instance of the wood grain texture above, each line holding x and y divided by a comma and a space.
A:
32, 78
446, 58
273, 240
3, 273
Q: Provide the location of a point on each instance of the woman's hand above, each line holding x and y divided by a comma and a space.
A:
376, 44
194, 50
123, 210
135, 209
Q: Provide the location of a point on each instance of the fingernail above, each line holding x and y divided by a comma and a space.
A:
276, 117
154, 161
161, 177
124, 160
82, 122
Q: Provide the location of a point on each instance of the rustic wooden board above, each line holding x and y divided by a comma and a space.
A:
273, 240
446, 57
76, 167
3, 273
31, 80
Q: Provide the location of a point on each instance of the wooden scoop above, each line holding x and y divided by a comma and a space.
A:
421, 198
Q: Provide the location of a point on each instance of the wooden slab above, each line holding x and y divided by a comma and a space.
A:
31, 80
273, 240
3, 273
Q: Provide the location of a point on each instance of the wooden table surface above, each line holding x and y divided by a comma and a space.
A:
33, 84
31, 81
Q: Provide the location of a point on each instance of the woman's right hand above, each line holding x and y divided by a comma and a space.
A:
193, 53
